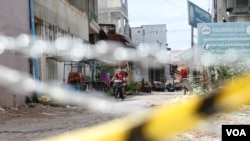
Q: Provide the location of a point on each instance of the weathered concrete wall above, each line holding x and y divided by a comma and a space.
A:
55, 19
14, 15
60, 13
7, 97
81, 5
49, 69
102, 4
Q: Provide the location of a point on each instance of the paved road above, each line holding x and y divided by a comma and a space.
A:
39, 121
140, 101
154, 98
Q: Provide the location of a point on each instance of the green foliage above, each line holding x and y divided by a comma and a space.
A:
196, 83
217, 75
110, 91
132, 86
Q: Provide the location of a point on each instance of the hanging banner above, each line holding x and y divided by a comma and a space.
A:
197, 15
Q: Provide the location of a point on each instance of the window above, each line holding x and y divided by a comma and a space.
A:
157, 45
241, 2
137, 42
143, 32
156, 32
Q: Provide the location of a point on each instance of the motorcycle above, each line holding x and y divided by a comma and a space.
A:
119, 89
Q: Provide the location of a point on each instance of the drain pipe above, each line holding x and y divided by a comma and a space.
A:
33, 35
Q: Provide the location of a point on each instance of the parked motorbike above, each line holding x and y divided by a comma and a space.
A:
119, 89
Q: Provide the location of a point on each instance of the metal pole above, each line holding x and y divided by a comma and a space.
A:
35, 60
63, 72
192, 47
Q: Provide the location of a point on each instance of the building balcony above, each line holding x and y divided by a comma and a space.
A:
93, 16
93, 22
121, 10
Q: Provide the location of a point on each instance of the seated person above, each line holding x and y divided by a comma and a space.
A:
122, 75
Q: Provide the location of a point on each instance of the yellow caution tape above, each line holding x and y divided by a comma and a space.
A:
165, 121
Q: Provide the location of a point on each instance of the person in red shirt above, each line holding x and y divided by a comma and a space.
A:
184, 73
121, 75
184, 79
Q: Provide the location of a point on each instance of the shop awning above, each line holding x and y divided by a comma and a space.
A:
68, 58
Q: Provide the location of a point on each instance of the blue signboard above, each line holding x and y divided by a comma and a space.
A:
219, 37
197, 15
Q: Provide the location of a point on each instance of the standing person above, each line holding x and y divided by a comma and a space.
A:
184, 79
142, 85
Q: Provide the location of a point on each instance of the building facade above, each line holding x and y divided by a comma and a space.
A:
76, 19
231, 10
115, 12
155, 36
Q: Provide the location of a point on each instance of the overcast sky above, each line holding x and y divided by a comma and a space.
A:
173, 13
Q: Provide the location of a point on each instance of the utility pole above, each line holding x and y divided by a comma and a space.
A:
231, 11
220, 11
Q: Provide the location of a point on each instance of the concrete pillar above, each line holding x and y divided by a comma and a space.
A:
122, 25
109, 17
221, 11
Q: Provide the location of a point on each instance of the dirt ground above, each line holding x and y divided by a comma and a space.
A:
210, 129
37, 121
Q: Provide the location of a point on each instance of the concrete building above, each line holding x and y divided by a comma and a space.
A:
52, 19
14, 21
73, 18
113, 19
231, 10
155, 36
115, 12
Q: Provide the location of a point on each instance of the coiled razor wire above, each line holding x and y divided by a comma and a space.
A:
147, 125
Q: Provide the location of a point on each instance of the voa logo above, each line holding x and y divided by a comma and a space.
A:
236, 132
205, 30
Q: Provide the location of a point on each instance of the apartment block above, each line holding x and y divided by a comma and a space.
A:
115, 12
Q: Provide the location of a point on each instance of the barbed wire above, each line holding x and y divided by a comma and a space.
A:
93, 100
167, 120
150, 124
109, 52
